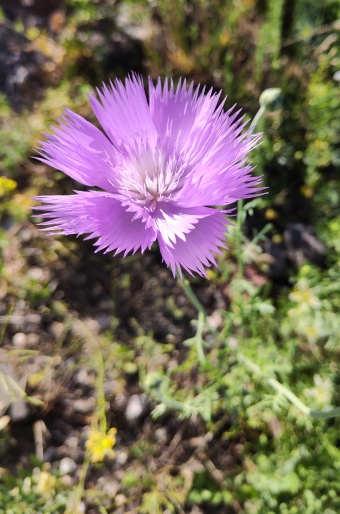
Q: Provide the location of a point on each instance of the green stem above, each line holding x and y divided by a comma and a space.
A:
55, 506
199, 339
257, 117
202, 318
81, 484
287, 393
239, 253
101, 400
192, 297
239, 220
184, 283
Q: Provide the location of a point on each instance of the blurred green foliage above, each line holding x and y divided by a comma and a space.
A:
40, 491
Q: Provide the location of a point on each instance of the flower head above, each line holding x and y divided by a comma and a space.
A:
100, 445
6, 185
160, 164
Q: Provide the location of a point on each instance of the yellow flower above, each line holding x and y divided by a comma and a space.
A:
99, 444
307, 191
277, 238
6, 185
270, 214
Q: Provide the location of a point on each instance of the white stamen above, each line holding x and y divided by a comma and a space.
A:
151, 178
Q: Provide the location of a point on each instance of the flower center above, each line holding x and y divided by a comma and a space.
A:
150, 178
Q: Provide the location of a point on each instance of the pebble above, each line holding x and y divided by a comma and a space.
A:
136, 407
81, 508
71, 442
67, 466
32, 339
19, 340
85, 377
110, 488
38, 274
121, 458
83, 405
161, 433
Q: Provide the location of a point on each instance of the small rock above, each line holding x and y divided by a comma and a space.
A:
57, 329
85, 377
71, 442
25, 234
121, 458
161, 433
84, 405
19, 76
32, 339
81, 508
120, 499
136, 407
67, 480
67, 466
19, 340
111, 488
92, 325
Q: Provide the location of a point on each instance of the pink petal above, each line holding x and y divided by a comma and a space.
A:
181, 114
80, 150
101, 216
188, 239
211, 143
124, 113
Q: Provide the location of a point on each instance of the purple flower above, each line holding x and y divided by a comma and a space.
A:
160, 165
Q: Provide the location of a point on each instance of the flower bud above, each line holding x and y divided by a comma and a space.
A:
271, 99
